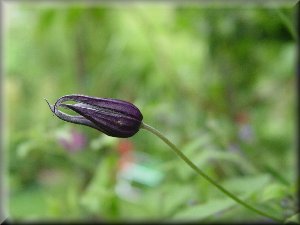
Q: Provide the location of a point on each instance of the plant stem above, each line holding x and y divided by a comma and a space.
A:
194, 167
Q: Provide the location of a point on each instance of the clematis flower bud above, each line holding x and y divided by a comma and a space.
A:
113, 117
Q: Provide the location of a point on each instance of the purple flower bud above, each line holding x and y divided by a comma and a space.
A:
113, 117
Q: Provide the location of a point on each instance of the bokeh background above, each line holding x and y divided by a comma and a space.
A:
217, 81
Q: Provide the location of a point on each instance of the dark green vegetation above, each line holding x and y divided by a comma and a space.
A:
219, 82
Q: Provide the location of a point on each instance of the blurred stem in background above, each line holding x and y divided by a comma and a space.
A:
286, 21
80, 60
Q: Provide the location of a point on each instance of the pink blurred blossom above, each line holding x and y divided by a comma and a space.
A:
75, 141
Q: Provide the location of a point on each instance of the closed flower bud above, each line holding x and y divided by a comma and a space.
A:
113, 117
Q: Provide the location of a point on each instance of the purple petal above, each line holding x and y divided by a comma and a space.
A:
109, 122
116, 105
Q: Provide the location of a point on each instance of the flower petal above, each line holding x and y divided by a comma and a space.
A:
105, 103
72, 119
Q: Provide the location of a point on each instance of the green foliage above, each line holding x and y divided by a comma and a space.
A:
218, 82
205, 210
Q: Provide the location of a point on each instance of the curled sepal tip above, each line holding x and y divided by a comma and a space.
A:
114, 117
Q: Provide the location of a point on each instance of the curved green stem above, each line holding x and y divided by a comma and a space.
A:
194, 167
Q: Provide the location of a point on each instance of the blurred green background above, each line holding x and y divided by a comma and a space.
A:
218, 81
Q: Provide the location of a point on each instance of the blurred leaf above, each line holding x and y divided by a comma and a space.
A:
293, 219
196, 145
24, 148
99, 195
19, 207
46, 19
171, 201
247, 185
274, 191
102, 141
204, 158
202, 211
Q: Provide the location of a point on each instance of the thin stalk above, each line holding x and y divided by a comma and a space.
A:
194, 167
